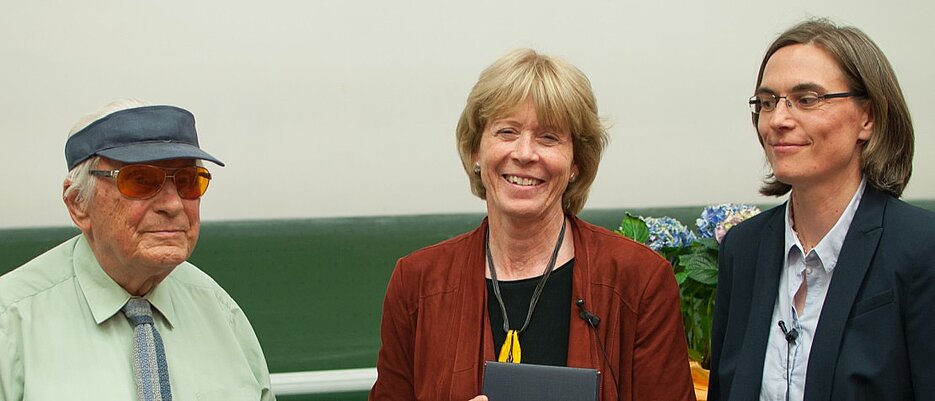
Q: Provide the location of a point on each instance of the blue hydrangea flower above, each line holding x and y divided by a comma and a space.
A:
667, 232
722, 217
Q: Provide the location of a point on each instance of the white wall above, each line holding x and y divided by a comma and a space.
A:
343, 108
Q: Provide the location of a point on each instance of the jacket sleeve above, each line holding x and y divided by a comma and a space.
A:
395, 360
660, 355
719, 325
920, 327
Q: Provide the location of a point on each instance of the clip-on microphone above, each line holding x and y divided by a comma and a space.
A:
592, 320
589, 317
791, 335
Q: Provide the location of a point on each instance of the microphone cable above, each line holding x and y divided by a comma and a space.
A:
593, 321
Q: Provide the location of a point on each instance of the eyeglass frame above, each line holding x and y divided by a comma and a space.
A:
754, 102
113, 174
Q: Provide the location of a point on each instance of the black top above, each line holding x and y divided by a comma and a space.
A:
545, 341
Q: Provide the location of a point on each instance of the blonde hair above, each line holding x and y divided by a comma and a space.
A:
562, 97
886, 159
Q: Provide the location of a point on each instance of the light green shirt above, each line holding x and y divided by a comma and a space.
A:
63, 337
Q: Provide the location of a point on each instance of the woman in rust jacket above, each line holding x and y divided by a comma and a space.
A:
532, 284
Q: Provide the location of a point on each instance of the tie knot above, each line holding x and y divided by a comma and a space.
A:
138, 312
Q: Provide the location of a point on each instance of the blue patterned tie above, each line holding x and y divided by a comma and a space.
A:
149, 359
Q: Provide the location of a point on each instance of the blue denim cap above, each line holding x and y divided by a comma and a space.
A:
141, 134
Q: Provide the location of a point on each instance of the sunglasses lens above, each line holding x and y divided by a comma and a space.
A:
140, 181
192, 182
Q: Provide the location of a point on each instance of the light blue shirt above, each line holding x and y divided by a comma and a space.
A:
818, 266
63, 337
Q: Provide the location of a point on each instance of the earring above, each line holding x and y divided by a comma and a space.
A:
476, 168
572, 178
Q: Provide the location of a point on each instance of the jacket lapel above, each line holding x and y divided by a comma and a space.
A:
749, 373
581, 351
858, 250
472, 320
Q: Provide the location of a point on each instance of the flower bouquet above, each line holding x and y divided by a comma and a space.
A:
693, 255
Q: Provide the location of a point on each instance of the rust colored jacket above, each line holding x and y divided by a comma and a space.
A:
436, 333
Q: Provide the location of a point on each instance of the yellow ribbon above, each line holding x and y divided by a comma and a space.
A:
510, 351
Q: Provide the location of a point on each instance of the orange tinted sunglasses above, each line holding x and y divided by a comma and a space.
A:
142, 181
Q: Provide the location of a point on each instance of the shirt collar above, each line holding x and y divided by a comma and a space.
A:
829, 248
104, 296
161, 299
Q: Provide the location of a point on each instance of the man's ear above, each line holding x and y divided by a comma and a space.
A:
76, 210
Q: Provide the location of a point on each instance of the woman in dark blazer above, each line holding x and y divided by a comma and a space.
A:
825, 296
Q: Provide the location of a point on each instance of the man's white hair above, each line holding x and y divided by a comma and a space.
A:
81, 184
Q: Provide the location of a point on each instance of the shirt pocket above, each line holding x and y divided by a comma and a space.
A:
242, 393
872, 303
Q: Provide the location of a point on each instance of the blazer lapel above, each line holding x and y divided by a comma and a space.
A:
858, 250
749, 374
581, 344
473, 340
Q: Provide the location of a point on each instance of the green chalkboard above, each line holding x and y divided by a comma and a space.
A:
313, 288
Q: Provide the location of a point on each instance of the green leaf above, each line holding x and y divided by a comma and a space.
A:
694, 355
634, 228
707, 243
671, 253
701, 267
680, 277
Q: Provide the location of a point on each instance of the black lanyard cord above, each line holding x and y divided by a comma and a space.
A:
539, 287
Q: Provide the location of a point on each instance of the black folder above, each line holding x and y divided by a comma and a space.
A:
526, 382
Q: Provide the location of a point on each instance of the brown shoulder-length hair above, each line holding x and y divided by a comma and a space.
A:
886, 159
562, 97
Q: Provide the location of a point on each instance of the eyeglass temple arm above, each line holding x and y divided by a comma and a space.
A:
105, 173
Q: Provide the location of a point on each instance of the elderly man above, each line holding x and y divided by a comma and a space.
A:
116, 313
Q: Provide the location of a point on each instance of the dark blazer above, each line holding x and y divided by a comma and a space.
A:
875, 338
